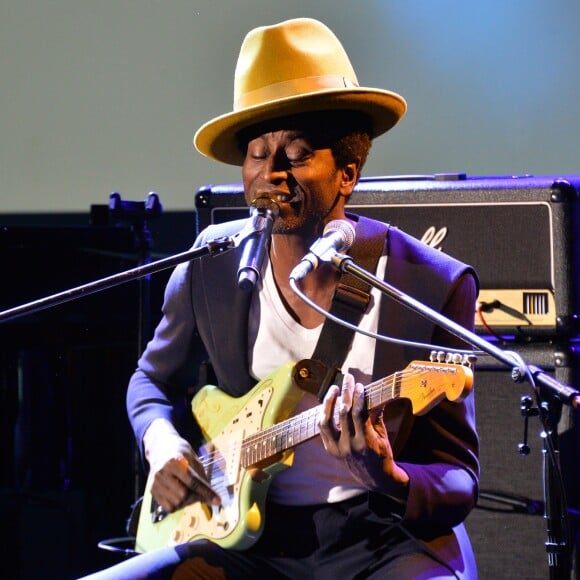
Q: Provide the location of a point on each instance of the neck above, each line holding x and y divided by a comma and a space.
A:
290, 247
319, 285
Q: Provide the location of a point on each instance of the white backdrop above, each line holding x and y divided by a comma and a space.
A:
105, 95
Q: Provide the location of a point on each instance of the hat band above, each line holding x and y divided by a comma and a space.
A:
292, 88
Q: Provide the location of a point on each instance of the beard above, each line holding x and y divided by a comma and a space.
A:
306, 219
308, 224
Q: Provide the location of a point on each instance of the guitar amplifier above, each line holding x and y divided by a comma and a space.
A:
520, 233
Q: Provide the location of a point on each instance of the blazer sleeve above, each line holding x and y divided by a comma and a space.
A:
441, 452
168, 369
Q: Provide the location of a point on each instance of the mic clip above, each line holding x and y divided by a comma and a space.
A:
338, 235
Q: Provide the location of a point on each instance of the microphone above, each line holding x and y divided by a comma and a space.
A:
263, 213
338, 235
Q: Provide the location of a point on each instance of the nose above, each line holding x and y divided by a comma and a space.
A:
275, 169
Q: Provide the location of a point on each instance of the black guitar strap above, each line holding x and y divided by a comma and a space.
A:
349, 303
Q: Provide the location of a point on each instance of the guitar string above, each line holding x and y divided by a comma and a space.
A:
307, 416
213, 462
221, 483
294, 424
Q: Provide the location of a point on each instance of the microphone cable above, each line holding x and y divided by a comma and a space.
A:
330, 316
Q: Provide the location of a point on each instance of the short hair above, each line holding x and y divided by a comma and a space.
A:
352, 147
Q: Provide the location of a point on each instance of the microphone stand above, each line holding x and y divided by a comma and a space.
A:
213, 247
554, 500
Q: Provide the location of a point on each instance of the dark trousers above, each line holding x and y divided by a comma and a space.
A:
361, 538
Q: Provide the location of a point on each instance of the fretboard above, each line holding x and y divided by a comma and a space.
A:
291, 432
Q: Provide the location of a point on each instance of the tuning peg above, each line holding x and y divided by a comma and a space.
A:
469, 360
453, 358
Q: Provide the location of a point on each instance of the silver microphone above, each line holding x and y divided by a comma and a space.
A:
338, 235
262, 214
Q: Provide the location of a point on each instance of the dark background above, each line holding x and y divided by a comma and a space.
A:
69, 472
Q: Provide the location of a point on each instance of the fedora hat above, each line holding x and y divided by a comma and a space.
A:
296, 66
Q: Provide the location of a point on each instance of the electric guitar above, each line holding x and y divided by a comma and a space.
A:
250, 438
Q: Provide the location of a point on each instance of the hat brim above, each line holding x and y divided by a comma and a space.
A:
217, 139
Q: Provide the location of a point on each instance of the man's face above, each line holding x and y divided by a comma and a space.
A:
300, 174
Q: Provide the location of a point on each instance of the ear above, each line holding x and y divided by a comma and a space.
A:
349, 177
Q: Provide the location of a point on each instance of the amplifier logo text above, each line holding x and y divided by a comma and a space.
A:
434, 238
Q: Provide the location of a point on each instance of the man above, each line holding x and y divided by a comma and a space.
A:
380, 494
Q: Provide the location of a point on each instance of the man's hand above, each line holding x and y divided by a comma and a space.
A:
178, 476
360, 438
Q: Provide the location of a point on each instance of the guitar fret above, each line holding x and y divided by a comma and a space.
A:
382, 391
397, 381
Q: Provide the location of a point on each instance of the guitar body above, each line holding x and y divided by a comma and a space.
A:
225, 422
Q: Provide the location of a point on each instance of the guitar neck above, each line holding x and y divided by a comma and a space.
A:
295, 430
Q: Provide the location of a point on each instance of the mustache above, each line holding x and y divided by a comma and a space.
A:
265, 202
276, 196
